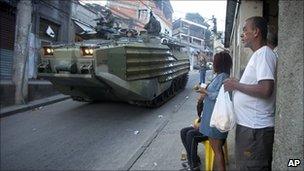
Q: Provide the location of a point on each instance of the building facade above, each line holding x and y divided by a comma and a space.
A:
84, 19
134, 14
190, 32
50, 22
194, 37
7, 38
285, 18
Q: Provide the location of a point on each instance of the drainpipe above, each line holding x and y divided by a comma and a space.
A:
235, 17
235, 74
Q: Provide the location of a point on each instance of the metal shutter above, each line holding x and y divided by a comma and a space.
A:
7, 37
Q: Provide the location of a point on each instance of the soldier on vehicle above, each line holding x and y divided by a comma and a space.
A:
153, 27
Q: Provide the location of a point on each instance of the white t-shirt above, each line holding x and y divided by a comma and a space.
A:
254, 112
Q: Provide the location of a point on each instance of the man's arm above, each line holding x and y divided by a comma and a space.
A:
263, 89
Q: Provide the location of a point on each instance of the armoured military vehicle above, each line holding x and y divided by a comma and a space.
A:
145, 70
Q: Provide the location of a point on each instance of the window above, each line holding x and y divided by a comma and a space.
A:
176, 25
143, 14
197, 42
184, 38
48, 30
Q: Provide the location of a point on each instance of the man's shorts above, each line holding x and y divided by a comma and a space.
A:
253, 148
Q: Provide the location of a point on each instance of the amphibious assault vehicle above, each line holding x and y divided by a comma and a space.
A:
145, 70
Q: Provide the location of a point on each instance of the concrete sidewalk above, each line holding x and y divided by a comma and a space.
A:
37, 89
6, 111
164, 152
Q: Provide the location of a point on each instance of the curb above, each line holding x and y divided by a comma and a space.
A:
139, 152
144, 147
7, 111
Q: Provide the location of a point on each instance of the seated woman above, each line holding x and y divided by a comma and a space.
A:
191, 136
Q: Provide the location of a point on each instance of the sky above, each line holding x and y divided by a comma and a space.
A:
204, 7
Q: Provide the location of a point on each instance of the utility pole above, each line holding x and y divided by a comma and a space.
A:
21, 49
188, 46
189, 52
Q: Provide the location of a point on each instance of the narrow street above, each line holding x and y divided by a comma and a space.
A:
71, 135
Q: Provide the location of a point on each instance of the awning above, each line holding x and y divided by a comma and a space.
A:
84, 28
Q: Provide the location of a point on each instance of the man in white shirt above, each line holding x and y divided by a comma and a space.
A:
254, 100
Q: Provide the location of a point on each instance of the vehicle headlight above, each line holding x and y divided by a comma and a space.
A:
48, 51
87, 51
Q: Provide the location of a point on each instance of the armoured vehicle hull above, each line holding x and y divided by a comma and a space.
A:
142, 73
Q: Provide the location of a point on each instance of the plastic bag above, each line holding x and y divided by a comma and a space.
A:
223, 114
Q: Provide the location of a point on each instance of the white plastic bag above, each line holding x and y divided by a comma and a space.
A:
223, 114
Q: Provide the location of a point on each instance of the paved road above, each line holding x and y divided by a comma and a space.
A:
81, 136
